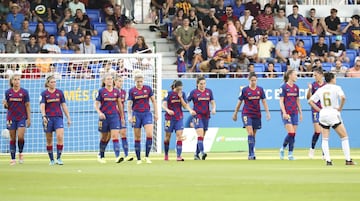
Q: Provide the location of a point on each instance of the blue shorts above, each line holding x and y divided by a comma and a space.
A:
201, 123
294, 119
141, 119
254, 122
53, 124
14, 125
173, 125
110, 123
315, 117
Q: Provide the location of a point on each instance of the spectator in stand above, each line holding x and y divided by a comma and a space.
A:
5, 33
194, 22
321, 49
238, 8
228, 15
84, 23
31, 72
202, 9
41, 34
229, 43
118, 18
301, 50
43, 63
266, 20
185, 5
240, 32
130, 33
14, 18
180, 62
284, 48
108, 9
270, 71
122, 45
62, 40
274, 6
254, 7
184, 35
76, 4
255, 31
67, 21
246, 20
332, 23
41, 11
25, 32
213, 46
317, 23
242, 65
294, 20
196, 54
109, 37
15, 46
354, 71
87, 47
281, 23
338, 51
353, 30
294, 62
208, 21
51, 47
2, 48
58, 10
75, 37
107, 69
219, 68
129, 5
265, 48
339, 70
140, 46
178, 19
317, 65
250, 50
220, 9
32, 47
24, 8
12, 69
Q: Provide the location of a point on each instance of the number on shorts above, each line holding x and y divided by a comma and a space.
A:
245, 119
326, 99
167, 123
315, 116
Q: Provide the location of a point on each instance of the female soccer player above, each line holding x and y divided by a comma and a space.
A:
319, 82
290, 110
139, 113
251, 112
109, 108
52, 105
119, 85
173, 104
202, 97
17, 103
329, 116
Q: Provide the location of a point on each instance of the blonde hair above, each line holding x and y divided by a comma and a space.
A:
137, 73
104, 77
11, 79
48, 79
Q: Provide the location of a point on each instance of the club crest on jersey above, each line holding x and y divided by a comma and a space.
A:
145, 91
115, 94
207, 93
258, 92
20, 94
10, 94
57, 95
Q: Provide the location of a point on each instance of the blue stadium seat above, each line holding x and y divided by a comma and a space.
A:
51, 28
351, 53
259, 67
344, 40
67, 51
32, 26
61, 68
292, 39
327, 66
277, 67
327, 40
94, 15
343, 25
99, 27
347, 65
96, 40
308, 41
273, 39
100, 51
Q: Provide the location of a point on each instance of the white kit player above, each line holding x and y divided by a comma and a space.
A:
329, 116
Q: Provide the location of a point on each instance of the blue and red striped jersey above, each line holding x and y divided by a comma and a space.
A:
140, 98
290, 94
108, 100
16, 104
251, 100
53, 101
174, 104
201, 102
315, 87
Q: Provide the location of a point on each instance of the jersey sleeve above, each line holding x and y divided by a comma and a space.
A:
130, 97
282, 90
190, 97
42, 97
62, 97
151, 93
262, 96
211, 95
340, 92
27, 97
6, 95
184, 97
98, 97
297, 90
242, 94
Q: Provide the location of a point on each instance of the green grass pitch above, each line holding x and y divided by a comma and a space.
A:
224, 176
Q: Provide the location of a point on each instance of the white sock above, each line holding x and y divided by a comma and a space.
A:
325, 148
346, 148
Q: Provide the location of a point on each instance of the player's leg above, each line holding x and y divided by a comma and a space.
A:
148, 127
125, 144
341, 131
205, 124
288, 138
116, 144
325, 143
12, 146
21, 142
292, 134
49, 129
317, 131
179, 127
169, 127
137, 138
104, 139
59, 145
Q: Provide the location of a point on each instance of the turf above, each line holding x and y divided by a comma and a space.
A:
224, 176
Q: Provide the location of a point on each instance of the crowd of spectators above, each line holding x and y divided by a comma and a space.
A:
247, 36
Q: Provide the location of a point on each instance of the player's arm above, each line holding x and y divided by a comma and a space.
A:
342, 103
313, 100
67, 114
237, 108
97, 109
299, 107
43, 113
266, 107
28, 114
185, 105
129, 109
308, 94
282, 108
121, 108
153, 100
213, 106
165, 107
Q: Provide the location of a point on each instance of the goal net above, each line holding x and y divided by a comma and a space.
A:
79, 77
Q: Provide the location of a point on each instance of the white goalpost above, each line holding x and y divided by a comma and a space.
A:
79, 77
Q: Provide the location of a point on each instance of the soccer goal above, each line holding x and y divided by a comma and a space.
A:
79, 77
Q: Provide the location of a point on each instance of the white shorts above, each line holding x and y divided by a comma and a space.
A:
329, 117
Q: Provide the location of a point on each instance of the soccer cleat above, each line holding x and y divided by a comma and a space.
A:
291, 157
196, 157
147, 160
350, 162
203, 157
128, 158
251, 158
311, 153
329, 163
52, 162
166, 158
282, 154
101, 160
138, 162
119, 159
179, 159
59, 161
21, 158
13, 162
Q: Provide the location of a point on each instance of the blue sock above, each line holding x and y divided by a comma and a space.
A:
50, 152
251, 142
315, 138
102, 146
137, 149
12, 149
148, 144
166, 148
178, 148
286, 141
21, 145
201, 144
291, 143
125, 146
59, 149
116, 147
197, 149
